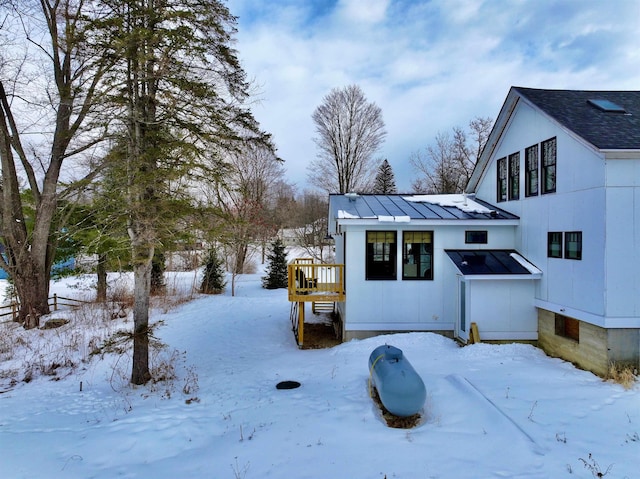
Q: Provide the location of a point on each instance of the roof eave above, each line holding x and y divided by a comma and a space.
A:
620, 154
499, 126
430, 222
488, 277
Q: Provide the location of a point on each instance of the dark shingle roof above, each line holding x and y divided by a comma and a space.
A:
605, 130
373, 206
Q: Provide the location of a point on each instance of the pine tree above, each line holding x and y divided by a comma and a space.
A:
158, 284
385, 183
213, 281
277, 269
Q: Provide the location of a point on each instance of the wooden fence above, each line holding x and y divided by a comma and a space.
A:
55, 302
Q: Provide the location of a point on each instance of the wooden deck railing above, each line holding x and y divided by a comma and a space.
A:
310, 281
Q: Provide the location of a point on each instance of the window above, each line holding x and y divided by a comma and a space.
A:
531, 171
554, 244
502, 179
567, 327
573, 245
514, 176
417, 255
549, 166
475, 237
381, 255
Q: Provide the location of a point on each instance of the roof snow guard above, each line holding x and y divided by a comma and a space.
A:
492, 263
406, 208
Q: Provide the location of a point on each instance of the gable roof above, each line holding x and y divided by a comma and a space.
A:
606, 130
404, 208
576, 111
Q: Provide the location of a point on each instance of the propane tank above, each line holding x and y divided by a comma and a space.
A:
399, 386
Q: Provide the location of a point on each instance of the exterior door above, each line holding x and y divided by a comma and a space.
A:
462, 323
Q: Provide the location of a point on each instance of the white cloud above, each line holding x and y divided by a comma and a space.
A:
363, 11
430, 65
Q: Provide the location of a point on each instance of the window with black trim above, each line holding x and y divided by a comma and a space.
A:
381, 255
567, 327
501, 167
549, 153
514, 176
417, 255
475, 237
554, 244
531, 171
573, 245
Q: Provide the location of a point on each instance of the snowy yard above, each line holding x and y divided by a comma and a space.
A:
491, 411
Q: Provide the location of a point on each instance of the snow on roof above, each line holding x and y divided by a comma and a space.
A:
525, 264
460, 201
342, 214
394, 219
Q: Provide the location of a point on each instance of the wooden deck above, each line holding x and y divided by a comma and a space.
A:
310, 282
315, 283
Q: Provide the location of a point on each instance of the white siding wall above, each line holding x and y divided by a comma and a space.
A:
403, 304
503, 309
578, 205
622, 249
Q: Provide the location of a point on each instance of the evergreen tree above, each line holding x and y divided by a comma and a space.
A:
385, 183
158, 284
213, 281
277, 269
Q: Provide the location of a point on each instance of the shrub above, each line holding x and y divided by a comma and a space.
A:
622, 374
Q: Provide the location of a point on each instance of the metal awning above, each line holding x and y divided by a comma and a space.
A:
493, 263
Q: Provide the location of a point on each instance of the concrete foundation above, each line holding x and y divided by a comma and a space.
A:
595, 349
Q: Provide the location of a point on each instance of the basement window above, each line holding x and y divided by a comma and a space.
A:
567, 327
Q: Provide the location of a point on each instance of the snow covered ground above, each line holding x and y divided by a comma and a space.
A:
491, 411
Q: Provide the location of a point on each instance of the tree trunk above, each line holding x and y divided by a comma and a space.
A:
32, 287
141, 291
101, 270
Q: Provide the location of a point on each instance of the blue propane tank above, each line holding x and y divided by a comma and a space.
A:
399, 386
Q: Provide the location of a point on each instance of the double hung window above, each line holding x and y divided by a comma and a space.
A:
532, 167
566, 245
573, 245
549, 166
554, 244
514, 176
502, 179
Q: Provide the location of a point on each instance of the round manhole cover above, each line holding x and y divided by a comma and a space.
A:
288, 385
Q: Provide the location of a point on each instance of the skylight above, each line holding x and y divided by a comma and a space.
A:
606, 105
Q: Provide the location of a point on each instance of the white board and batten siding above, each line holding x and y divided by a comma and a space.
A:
408, 305
587, 289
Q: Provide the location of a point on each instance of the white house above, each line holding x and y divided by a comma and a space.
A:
568, 163
431, 263
546, 245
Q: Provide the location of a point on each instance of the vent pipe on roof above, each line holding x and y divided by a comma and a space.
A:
352, 196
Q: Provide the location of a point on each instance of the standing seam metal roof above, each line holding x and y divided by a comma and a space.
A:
372, 206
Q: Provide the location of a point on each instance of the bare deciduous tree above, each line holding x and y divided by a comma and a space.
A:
50, 81
446, 166
350, 130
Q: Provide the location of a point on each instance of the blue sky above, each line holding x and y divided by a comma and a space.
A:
429, 65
